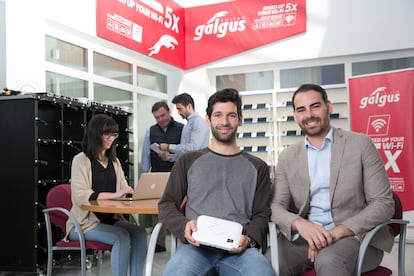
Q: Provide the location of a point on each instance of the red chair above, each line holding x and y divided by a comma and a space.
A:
58, 205
399, 227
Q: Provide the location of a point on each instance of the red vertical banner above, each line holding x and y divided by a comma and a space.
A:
382, 106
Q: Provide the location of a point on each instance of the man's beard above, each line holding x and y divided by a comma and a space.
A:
224, 138
316, 130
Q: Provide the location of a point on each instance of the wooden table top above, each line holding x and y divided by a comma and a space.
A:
144, 206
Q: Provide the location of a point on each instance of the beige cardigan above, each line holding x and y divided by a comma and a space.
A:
81, 186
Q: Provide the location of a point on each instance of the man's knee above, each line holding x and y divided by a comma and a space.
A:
337, 259
333, 265
328, 260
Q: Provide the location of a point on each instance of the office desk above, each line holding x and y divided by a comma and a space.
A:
144, 206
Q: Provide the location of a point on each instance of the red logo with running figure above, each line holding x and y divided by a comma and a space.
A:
166, 41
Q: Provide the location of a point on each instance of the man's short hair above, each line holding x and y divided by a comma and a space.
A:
184, 99
225, 95
158, 105
310, 86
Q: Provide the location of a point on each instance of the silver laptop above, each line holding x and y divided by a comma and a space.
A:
150, 185
216, 232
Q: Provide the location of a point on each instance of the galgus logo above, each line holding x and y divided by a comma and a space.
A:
219, 27
380, 97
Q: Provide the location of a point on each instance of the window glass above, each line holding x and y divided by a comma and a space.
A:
369, 67
113, 96
111, 68
151, 80
236, 81
322, 75
66, 86
259, 80
65, 53
246, 81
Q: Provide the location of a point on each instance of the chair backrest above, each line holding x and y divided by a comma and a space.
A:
398, 214
59, 196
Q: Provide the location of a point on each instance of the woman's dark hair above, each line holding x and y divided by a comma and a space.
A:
99, 125
225, 95
310, 86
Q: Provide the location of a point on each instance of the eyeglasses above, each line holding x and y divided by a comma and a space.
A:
109, 135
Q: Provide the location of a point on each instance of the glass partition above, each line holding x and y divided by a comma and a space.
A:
369, 67
66, 86
246, 81
151, 80
322, 75
112, 68
66, 54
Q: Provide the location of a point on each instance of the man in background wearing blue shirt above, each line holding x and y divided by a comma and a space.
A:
196, 133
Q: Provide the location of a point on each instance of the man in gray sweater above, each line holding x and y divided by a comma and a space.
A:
223, 182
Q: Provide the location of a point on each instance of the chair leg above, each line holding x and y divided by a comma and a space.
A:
98, 262
49, 244
274, 247
83, 262
151, 249
401, 249
174, 244
49, 262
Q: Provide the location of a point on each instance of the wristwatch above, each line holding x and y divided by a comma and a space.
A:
253, 243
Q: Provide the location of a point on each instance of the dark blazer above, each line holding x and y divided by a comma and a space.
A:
171, 136
360, 192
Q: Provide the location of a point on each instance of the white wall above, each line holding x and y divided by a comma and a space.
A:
335, 28
25, 45
77, 14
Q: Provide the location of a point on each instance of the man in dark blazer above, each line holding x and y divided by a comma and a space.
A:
338, 187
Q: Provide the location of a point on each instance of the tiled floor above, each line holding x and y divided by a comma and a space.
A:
390, 260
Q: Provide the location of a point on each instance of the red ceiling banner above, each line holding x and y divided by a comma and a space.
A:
221, 30
194, 36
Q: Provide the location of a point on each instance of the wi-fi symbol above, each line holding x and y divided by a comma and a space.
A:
377, 124
289, 18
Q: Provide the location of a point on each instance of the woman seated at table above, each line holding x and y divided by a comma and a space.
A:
97, 174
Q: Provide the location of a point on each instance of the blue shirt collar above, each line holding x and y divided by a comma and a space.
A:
328, 138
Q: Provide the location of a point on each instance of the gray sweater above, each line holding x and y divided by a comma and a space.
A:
233, 187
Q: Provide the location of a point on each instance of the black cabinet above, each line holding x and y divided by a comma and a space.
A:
40, 134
